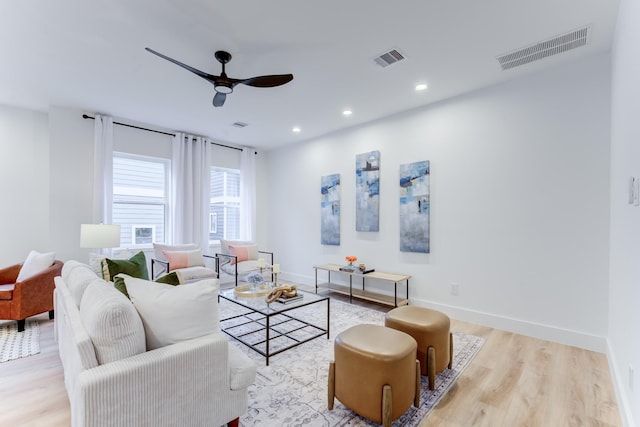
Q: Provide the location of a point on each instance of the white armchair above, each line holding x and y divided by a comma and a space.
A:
238, 259
186, 260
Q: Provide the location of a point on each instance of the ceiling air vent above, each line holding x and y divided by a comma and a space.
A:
388, 58
240, 124
545, 48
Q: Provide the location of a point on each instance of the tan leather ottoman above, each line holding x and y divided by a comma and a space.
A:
375, 372
430, 328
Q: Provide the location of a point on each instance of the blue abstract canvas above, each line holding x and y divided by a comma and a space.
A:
330, 210
368, 191
414, 207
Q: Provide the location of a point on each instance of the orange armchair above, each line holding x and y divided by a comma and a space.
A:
32, 296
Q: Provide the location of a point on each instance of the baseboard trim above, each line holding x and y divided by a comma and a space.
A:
624, 406
533, 329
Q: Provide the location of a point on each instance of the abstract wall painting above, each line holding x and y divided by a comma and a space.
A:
330, 210
368, 191
415, 207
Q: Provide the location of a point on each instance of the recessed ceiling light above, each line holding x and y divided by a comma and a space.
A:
421, 86
295, 129
347, 112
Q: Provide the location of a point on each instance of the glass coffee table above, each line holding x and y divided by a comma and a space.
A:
270, 329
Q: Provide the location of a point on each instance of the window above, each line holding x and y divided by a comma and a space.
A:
140, 199
225, 205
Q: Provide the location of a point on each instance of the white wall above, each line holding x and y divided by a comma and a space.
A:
624, 279
24, 184
71, 139
519, 199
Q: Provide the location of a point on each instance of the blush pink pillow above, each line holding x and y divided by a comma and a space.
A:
243, 253
184, 259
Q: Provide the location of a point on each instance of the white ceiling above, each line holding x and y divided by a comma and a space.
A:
90, 55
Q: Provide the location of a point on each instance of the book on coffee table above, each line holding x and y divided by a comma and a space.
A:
286, 300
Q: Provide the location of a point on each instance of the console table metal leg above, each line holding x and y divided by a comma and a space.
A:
407, 291
350, 289
395, 294
316, 280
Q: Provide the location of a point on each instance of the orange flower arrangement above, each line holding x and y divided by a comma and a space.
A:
351, 259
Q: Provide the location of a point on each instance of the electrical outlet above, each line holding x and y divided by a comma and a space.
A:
631, 377
634, 191
455, 289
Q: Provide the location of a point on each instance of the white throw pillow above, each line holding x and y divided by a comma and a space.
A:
171, 314
35, 263
159, 248
112, 322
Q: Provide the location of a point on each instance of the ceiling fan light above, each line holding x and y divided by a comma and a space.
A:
347, 112
221, 88
421, 86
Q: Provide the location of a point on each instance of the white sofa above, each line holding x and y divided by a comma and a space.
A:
111, 378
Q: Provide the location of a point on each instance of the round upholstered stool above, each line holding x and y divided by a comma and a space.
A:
375, 372
430, 328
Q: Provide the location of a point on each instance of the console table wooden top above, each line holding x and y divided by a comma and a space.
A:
393, 300
390, 277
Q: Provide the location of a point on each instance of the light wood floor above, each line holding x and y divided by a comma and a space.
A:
513, 381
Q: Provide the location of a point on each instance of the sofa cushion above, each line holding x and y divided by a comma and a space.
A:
135, 266
35, 263
244, 267
69, 266
159, 248
77, 281
191, 274
112, 322
6, 291
184, 259
242, 370
171, 314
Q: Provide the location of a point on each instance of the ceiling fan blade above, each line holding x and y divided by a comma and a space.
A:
218, 100
267, 81
209, 77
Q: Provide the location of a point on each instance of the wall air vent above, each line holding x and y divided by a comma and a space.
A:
240, 125
388, 58
545, 48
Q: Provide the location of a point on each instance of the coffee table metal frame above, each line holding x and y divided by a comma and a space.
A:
265, 312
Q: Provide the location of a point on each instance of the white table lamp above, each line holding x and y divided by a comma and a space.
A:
99, 236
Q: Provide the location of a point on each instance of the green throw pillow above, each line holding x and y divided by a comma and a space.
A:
136, 266
169, 279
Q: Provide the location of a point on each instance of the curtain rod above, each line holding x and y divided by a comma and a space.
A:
85, 116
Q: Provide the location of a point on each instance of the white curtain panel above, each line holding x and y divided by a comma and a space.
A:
191, 189
103, 169
247, 194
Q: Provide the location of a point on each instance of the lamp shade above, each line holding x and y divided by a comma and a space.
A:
99, 236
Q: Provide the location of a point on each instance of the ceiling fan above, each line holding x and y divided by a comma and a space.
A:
224, 84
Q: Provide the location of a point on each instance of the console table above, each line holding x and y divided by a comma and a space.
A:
363, 293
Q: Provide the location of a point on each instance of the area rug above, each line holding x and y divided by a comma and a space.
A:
292, 390
14, 344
